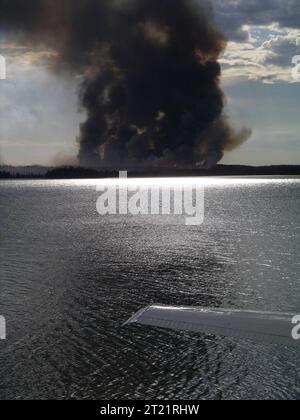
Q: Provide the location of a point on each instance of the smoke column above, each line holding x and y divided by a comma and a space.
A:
150, 76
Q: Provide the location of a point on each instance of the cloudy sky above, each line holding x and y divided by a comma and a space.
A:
39, 115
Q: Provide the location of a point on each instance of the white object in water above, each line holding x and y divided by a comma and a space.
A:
270, 327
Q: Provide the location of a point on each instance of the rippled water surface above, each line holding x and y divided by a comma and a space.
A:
69, 278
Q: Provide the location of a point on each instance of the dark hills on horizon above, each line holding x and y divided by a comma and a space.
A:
36, 172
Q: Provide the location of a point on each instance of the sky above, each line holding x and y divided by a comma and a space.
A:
40, 115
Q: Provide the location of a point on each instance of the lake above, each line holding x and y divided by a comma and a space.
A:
69, 279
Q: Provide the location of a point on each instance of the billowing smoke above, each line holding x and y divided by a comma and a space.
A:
150, 76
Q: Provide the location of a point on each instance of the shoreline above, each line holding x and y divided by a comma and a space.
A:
28, 173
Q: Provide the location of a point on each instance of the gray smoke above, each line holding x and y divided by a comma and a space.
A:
150, 76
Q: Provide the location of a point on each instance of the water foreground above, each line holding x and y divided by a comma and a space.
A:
70, 278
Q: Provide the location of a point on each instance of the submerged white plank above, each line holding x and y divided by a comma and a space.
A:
258, 326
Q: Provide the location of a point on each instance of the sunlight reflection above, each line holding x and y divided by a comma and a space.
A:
208, 182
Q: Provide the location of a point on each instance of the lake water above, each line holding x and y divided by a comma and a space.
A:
69, 278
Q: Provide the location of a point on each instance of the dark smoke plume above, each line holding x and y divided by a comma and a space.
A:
150, 76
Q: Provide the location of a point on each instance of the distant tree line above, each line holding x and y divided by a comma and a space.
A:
220, 170
5, 175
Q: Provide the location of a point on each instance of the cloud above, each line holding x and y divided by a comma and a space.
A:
233, 15
264, 36
268, 60
20, 55
279, 49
